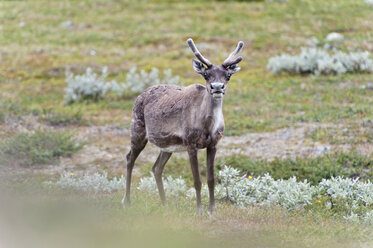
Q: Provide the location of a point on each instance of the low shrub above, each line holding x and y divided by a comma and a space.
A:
41, 147
337, 196
91, 87
320, 62
350, 164
62, 118
173, 187
137, 82
90, 183
88, 86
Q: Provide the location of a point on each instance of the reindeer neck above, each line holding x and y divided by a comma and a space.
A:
212, 110
212, 106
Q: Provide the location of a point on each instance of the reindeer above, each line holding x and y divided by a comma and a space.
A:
177, 119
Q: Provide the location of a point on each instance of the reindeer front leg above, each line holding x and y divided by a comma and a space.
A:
192, 152
211, 151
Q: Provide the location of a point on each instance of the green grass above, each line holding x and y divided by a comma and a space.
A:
126, 34
63, 117
2, 118
15, 109
40, 147
346, 164
347, 135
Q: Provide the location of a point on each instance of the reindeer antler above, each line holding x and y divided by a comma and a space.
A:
230, 60
198, 54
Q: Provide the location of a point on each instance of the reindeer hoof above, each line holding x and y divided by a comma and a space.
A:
212, 209
126, 203
199, 210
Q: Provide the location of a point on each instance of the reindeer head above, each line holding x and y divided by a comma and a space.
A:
216, 77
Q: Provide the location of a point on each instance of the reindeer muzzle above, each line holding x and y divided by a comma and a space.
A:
217, 90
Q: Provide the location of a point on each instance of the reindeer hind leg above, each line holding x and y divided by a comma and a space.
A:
158, 170
138, 143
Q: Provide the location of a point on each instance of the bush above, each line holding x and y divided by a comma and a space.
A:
137, 82
86, 87
41, 147
91, 87
173, 187
345, 197
62, 118
320, 62
314, 170
90, 183
337, 196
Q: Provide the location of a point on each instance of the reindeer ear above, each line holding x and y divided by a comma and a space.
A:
198, 66
233, 69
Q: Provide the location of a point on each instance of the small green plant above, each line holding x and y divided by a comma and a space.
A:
2, 118
63, 118
347, 164
14, 108
41, 147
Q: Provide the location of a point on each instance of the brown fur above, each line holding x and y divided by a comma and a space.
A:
166, 115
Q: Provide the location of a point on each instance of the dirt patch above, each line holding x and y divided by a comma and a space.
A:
285, 143
106, 146
109, 145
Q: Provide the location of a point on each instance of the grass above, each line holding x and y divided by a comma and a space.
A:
95, 220
347, 135
64, 117
2, 118
346, 164
256, 101
40, 147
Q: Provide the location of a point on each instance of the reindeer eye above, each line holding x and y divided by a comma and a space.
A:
228, 76
205, 75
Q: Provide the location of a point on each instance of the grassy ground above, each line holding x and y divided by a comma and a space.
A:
37, 48
55, 218
40, 40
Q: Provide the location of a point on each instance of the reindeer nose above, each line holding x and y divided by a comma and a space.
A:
217, 87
